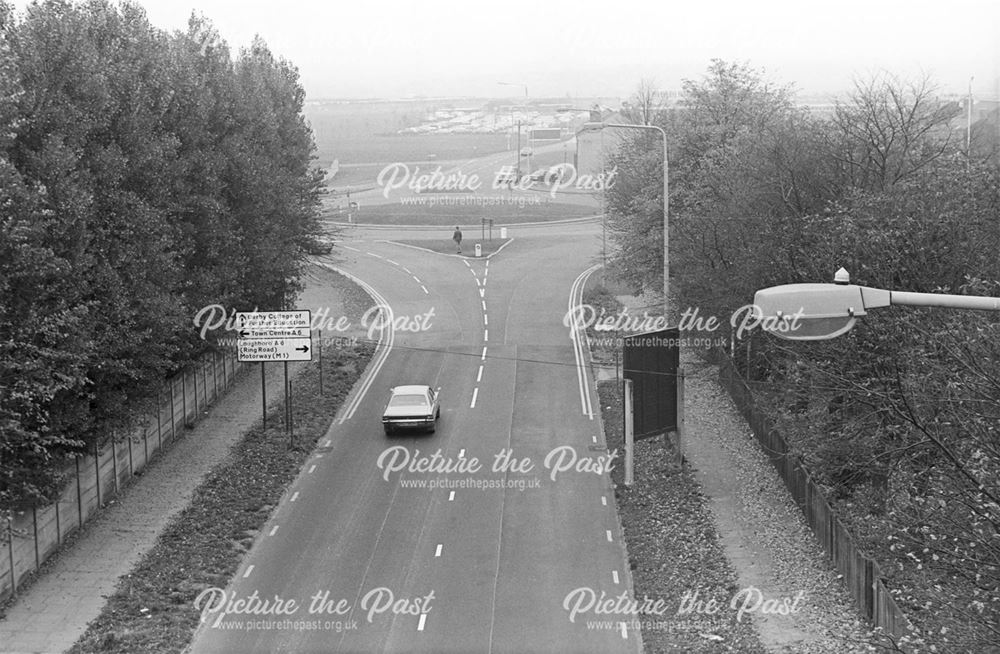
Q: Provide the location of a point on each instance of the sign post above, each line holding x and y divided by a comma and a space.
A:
274, 336
629, 435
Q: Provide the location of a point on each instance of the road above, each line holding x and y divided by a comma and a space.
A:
387, 544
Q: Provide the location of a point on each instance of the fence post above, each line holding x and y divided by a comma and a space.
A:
34, 535
184, 398
79, 494
159, 427
10, 555
97, 473
173, 419
114, 460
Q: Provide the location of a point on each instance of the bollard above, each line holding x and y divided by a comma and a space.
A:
479, 250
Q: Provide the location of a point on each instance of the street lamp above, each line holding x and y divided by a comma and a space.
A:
815, 312
525, 86
666, 197
517, 153
666, 204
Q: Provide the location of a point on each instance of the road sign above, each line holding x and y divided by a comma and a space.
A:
651, 360
274, 336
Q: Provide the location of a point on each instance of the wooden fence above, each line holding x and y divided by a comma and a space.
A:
861, 574
34, 534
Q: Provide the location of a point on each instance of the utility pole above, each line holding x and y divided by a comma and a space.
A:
968, 123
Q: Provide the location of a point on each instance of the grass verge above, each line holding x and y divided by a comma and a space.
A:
152, 609
673, 548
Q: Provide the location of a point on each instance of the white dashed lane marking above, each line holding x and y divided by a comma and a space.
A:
475, 394
437, 552
423, 619
249, 570
614, 576
608, 533
479, 377
274, 530
295, 496
451, 496
425, 289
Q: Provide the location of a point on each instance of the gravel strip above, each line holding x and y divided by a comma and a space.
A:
762, 530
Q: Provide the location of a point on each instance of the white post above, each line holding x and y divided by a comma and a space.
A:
629, 434
680, 415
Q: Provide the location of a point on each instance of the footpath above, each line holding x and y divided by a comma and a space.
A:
51, 613
762, 531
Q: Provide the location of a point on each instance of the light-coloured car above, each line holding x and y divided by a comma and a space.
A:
415, 406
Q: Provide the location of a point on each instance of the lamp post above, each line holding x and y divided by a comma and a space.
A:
517, 152
814, 312
666, 205
666, 197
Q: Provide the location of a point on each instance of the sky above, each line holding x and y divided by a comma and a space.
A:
396, 48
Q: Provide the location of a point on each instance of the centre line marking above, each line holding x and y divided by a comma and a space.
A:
614, 575
486, 319
479, 377
295, 496
475, 394
348, 247
484, 305
273, 530
466, 262
482, 292
483, 358
423, 619
604, 500
425, 289
249, 570
437, 552
608, 533
311, 468
486, 334
377, 256
327, 443
461, 453
418, 279
408, 271
451, 496
392, 262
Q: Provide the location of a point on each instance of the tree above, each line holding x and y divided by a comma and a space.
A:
890, 129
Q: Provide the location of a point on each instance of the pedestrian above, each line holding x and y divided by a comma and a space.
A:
457, 237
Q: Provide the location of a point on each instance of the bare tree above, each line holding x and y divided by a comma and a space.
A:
646, 104
890, 129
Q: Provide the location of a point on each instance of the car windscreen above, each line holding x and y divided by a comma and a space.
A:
408, 400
